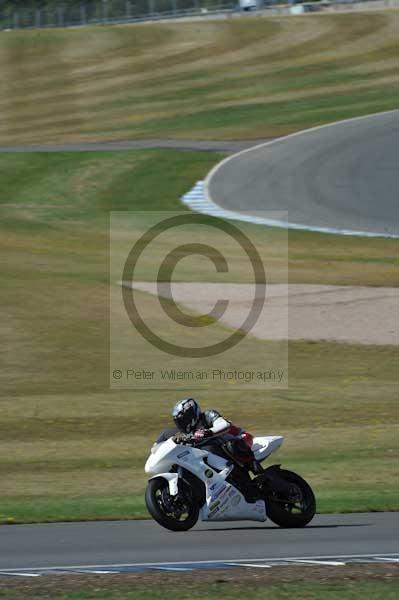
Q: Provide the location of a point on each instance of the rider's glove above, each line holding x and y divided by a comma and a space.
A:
181, 437
201, 434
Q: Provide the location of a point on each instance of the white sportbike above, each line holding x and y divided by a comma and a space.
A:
189, 482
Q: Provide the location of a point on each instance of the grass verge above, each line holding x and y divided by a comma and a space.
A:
302, 591
310, 583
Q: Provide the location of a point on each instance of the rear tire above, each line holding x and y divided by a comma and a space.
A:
292, 514
157, 499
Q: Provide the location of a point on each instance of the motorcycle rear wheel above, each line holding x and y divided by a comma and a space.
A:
160, 506
292, 514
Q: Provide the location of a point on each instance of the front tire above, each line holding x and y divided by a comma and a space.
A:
296, 511
180, 514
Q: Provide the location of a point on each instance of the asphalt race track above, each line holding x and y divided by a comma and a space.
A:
129, 542
344, 176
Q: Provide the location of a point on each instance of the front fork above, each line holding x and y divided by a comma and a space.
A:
173, 481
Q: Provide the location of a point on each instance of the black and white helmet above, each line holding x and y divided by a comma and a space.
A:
186, 414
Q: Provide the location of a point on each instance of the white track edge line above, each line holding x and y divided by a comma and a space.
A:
205, 562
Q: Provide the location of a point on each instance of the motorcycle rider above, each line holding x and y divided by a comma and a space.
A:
198, 425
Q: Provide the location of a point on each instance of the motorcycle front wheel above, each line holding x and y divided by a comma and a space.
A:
175, 513
295, 510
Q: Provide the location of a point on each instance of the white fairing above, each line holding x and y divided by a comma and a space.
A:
262, 447
223, 501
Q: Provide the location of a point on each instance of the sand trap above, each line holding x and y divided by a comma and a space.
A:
362, 315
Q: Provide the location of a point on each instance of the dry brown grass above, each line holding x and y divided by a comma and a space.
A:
229, 78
